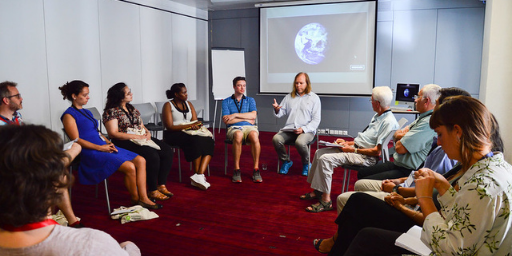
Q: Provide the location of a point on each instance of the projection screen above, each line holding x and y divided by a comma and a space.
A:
333, 42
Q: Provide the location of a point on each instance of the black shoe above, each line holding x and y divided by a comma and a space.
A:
77, 224
148, 206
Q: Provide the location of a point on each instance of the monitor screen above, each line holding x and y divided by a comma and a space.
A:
406, 92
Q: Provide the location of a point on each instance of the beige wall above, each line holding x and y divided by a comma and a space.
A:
496, 79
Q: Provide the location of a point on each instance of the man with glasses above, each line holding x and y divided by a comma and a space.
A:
412, 143
11, 103
363, 151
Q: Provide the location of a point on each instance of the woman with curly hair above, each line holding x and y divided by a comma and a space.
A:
32, 178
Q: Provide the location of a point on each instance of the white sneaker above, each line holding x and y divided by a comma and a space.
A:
198, 180
203, 178
206, 182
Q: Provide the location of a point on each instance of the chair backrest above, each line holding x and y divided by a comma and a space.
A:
402, 122
147, 111
96, 114
385, 149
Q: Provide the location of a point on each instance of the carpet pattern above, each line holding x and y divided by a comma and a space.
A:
228, 219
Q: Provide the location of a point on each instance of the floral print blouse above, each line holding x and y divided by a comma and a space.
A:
476, 219
124, 121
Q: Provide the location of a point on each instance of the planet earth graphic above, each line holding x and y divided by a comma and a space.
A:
311, 43
406, 93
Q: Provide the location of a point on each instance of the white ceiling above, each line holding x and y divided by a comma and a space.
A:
215, 5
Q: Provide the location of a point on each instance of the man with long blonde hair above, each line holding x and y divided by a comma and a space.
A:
303, 109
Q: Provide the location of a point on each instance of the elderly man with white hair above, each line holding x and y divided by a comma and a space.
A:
363, 151
412, 143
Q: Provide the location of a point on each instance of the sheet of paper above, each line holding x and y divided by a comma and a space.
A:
68, 145
288, 129
329, 144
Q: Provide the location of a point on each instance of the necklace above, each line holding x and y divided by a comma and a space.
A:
88, 116
30, 226
184, 109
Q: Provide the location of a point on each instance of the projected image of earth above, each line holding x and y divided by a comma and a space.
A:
311, 43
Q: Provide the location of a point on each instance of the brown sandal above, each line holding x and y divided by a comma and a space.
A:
162, 189
156, 195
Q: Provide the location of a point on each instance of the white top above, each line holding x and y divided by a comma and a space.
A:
177, 116
72, 241
476, 219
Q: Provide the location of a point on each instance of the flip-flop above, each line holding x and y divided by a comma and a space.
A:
322, 207
307, 196
317, 243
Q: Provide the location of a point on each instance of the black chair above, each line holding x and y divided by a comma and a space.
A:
148, 113
384, 155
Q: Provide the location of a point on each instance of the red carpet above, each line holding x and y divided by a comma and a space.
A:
227, 219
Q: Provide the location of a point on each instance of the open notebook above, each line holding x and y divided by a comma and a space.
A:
411, 241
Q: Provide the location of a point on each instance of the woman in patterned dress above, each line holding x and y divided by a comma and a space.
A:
119, 116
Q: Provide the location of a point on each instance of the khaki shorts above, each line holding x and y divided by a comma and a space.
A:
246, 129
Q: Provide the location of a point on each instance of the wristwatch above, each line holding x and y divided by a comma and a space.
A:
395, 189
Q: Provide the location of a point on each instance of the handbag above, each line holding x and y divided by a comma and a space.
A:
142, 142
203, 131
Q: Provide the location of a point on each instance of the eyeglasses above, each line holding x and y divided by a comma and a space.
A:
372, 100
15, 95
418, 97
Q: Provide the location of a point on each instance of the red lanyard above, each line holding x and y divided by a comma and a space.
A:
30, 226
16, 120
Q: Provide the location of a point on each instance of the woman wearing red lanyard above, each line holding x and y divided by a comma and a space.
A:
31, 175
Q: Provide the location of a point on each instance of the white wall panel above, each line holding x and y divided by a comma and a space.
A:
459, 48
23, 56
184, 54
414, 37
203, 88
156, 55
120, 46
383, 53
72, 36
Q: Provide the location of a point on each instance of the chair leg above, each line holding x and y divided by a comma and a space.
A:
344, 180
70, 174
309, 154
279, 160
179, 165
348, 180
106, 194
225, 159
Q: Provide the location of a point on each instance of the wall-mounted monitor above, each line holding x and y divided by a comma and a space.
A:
405, 94
333, 42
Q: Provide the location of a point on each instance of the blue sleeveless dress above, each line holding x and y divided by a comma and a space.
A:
95, 166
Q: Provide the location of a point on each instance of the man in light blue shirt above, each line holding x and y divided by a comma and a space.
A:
303, 109
11, 103
363, 151
412, 143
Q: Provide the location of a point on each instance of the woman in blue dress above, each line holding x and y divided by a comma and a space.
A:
99, 157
